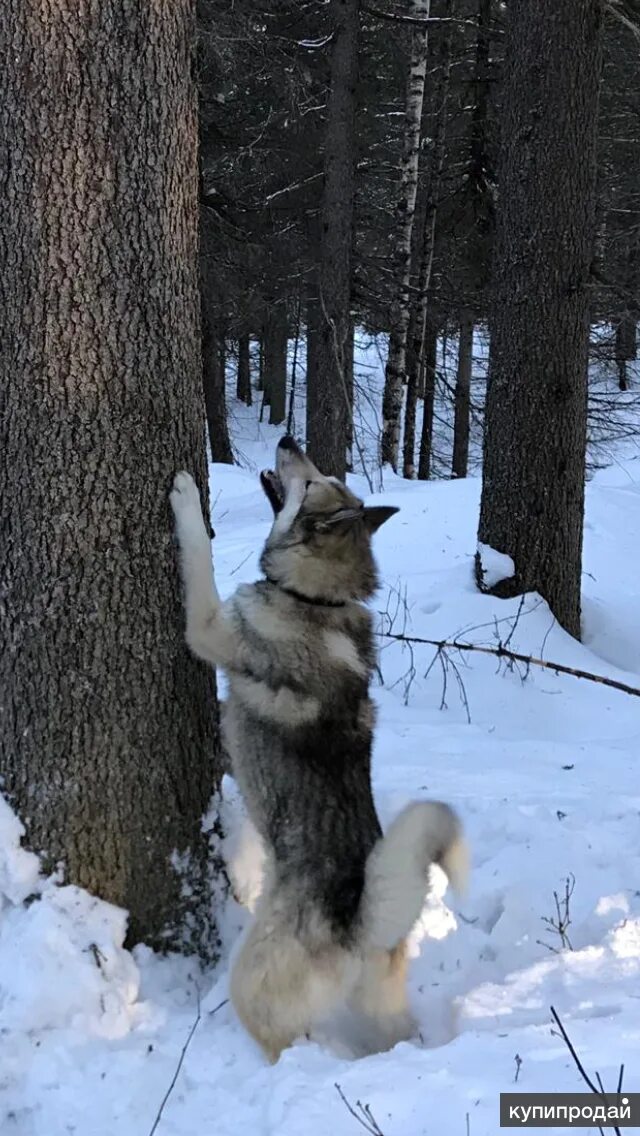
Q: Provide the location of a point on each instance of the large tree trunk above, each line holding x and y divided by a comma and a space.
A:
328, 395
405, 211
108, 736
462, 400
535, 423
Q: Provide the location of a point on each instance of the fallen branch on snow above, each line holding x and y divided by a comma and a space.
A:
362, 1113
599, 1092
502, 652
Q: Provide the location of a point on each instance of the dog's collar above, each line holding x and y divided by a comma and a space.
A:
315, 601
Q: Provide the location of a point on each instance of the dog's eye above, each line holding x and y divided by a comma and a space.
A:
307, 484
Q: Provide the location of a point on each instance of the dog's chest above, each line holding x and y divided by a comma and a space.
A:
299, 667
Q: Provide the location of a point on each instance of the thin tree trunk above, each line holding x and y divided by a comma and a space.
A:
428, 383
480, 176
328, 401
260, 382
462, 410
275, 362
243, 385
222, 348
215, 395
350, 382
405, 211
312, 338
536, 412
108, 740
419, 306
626, 347
294, 367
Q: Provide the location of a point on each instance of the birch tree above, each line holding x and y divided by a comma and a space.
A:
405, 212
426, 244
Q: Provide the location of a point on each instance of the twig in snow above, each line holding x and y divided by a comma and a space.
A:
562, 922
362, 1113
581, 1069
181, 1060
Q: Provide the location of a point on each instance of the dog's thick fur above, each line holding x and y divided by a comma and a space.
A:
339, 899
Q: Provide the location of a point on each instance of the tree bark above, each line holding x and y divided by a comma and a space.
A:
462, 401
243, 385
428, 383
405, 212
108, 736
535, 421
328, 401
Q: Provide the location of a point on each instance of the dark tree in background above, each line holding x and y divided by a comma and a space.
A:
108, 740
329, 390
536, 414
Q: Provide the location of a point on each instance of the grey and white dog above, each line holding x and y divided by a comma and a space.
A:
339, 899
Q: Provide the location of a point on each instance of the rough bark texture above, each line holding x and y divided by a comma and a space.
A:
535, 435
243, 384
328, 398
213, 373
462, 402
405, 212
428, 384
108, 737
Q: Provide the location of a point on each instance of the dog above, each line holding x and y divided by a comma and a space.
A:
339, 899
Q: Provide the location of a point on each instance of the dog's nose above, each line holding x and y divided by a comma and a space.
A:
289, 443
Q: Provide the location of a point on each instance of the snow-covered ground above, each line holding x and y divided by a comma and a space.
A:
545, 771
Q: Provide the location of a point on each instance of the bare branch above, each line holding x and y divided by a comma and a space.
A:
362, 1113
501, 652
181, 1060
581, 1069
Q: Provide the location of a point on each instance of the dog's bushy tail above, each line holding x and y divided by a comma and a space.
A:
425, 833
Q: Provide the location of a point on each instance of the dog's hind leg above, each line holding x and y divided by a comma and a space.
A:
279, 989
379, 999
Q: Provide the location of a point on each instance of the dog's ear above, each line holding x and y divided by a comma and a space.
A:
338, 522
376, 515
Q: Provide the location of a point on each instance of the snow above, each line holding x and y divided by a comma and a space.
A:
495, 566
544, 771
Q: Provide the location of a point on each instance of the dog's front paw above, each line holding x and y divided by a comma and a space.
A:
185, 502
184, 494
